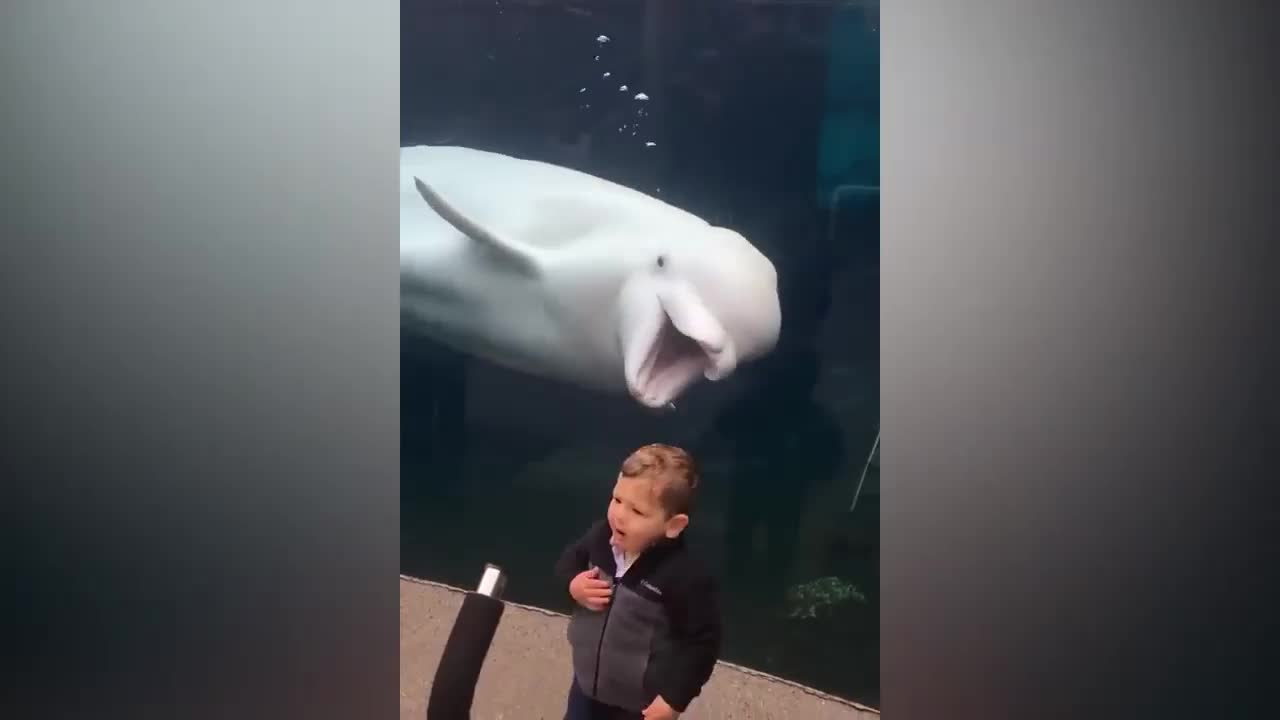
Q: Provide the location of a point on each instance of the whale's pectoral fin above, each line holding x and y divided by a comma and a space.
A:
514, 253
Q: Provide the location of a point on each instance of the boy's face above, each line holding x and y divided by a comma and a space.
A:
636, 517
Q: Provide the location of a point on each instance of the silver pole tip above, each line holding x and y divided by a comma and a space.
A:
492, 581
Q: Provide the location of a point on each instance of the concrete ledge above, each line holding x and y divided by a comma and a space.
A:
527, 672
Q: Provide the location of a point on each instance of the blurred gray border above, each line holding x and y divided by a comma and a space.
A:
201, 395
1075, 357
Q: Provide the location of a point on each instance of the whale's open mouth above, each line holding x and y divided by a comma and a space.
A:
672, 363
679, 343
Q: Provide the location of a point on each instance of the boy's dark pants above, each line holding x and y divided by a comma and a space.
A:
581, 707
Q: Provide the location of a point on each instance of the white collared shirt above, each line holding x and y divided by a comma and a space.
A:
620, 560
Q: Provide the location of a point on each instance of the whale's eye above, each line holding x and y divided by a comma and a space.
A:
662, 261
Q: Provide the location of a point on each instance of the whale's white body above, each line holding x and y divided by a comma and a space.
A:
556, 273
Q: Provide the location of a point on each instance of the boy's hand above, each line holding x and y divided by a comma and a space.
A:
589, 590
660, 710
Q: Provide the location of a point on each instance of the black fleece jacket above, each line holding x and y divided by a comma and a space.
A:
660, 633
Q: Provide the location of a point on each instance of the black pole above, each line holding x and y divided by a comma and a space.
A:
454, 687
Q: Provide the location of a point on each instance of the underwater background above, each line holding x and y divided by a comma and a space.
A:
762, 116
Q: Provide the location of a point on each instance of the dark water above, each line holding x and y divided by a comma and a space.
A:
765, 119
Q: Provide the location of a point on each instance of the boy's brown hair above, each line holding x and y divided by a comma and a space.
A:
672, 471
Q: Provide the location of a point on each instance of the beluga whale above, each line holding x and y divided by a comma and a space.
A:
560, 274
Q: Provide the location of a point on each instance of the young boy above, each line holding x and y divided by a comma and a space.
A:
647, 633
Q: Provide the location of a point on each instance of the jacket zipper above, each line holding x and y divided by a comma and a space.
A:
595, 683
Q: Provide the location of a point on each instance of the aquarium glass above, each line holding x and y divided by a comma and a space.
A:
758, 116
